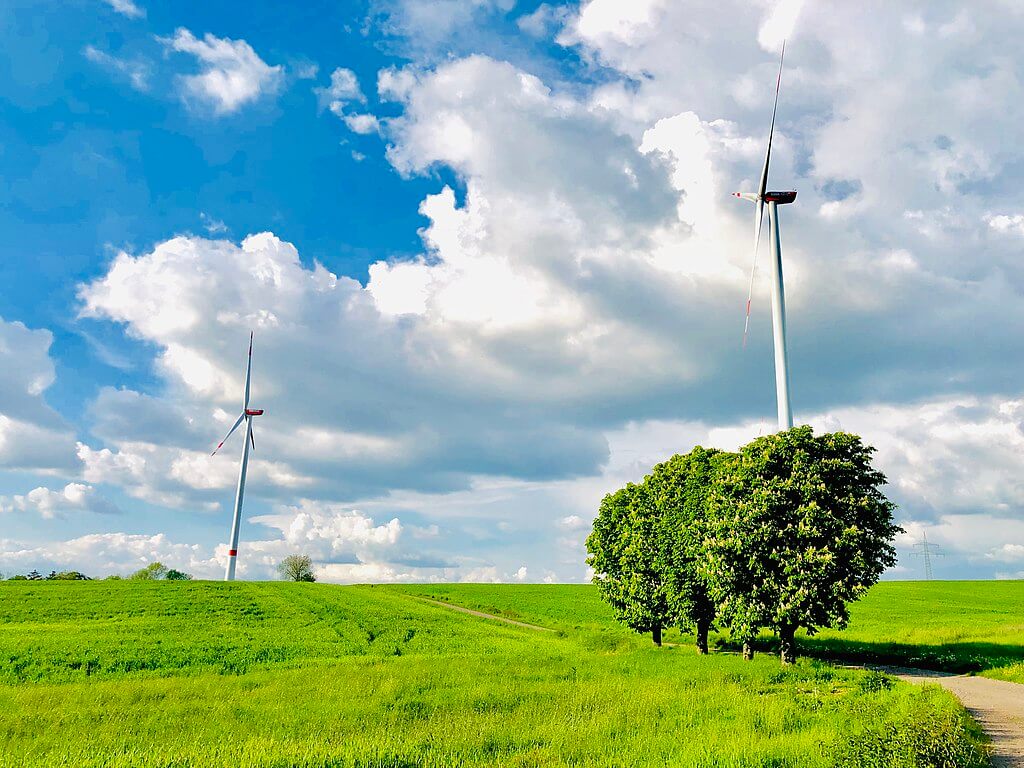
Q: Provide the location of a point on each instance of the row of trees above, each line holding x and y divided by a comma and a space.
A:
52, 576
292, 568
782, 535
152, 572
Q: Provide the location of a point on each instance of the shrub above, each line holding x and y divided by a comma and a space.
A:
933, 731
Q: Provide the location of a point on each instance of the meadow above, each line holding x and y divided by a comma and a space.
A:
277, 674
951, 626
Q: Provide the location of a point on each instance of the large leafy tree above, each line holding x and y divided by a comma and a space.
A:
679, 488
297, 568
152, 572
624, 552
798, 528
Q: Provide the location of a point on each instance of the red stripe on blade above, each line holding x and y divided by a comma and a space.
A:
232, 552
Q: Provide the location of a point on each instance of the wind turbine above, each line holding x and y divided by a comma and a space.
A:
247, 416
774, 200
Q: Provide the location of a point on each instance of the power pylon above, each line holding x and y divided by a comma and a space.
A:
926, 551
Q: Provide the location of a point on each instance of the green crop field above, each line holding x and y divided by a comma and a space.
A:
276, 674
956, 626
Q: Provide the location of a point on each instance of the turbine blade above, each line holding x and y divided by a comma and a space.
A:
233, 428
248, 373
758, 219
252, 440
761, 189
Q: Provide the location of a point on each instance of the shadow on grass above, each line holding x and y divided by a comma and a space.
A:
947, 657
959, 658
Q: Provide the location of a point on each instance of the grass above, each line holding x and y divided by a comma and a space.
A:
210, 674
951, 626
954, 626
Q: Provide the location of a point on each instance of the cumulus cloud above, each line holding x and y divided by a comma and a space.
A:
343, 90
576, 310
49, 504
101, 554
126, 8
362, 123
231, 73
32, 435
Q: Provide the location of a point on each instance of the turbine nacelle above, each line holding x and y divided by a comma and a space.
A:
782, 198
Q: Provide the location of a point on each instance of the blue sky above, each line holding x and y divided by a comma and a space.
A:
494, 271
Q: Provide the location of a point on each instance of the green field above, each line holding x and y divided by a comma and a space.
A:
275, 674
955, 626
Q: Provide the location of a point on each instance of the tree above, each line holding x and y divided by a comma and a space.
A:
18, 577
151, 572
34, 575
175, 575
679, 488
70, 576
624, 553
296, 568
798, 528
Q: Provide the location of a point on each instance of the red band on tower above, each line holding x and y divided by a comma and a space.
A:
232, 552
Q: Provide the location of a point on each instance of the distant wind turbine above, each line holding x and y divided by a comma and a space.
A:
774, 200
246, 416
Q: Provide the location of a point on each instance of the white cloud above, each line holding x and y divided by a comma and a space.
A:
137, 71
1008, 553
609, 20
362, 123
575, 314
126, 8
32, 435
343, 90
431, 26
101, 554
49, 504
231, 73
1009, 224
212, 225
780, 24
543, 20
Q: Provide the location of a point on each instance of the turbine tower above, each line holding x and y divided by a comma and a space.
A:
247, 416
774, 200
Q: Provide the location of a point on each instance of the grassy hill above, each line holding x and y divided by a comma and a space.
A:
273, 674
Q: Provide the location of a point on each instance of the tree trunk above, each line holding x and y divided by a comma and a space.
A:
748, 650
656, 634
702, 636
787, 644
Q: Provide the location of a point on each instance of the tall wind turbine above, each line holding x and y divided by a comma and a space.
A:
247, 416
774, 200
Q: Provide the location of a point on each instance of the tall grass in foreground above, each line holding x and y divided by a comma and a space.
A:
126, 674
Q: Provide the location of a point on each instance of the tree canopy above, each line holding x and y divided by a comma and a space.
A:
679, 490
297, 568
783, 535
624, 553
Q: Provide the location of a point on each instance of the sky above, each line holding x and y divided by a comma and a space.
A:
494, 270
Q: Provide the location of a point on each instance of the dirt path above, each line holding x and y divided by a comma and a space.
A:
482, 615
997, 705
